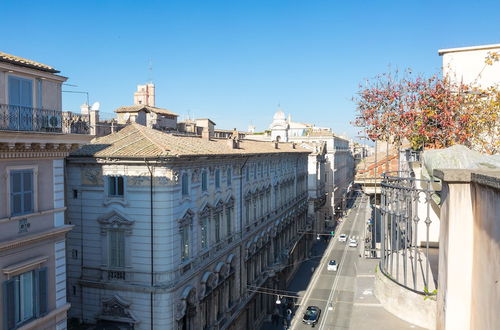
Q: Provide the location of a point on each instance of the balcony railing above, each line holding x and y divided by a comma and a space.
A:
29, 119
406, 212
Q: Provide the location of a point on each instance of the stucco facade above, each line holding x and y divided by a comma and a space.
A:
201, 235
32, 219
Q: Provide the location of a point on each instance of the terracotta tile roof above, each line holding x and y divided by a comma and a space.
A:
4, 57
137, 108
137, 141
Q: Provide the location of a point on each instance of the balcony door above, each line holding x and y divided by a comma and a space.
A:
20, 103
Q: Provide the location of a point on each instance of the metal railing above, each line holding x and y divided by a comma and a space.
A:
29, 119
406, 207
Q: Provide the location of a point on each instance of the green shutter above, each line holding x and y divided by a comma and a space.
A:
9, 304
41, 291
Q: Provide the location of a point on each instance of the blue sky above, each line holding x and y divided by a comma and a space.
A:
235, 61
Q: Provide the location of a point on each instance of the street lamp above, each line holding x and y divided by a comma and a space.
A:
278, 301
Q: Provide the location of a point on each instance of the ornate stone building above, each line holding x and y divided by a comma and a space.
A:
181, 232
33, 145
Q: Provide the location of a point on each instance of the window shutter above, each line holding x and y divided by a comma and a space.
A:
27, 191
41, 291
120, 185
9, 304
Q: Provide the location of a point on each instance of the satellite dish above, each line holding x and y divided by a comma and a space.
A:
95, 106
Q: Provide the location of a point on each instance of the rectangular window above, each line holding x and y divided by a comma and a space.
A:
116, 248
248, 174
228, 221
185, 184
247, 212
25, 297
21, 192
217, 178
204, 233
217, 227
115, 186
185, 243
39, 94
204, 181
228, 174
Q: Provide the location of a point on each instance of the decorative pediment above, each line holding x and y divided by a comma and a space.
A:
230, 202
222, 270
205, 211
208, 282
115, 220
219, 206
188, 297
117, 309
187, 219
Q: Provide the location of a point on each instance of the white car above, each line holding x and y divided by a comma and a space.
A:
332, 265
353, 243
342, 238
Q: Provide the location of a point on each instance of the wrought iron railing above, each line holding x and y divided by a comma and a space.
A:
29, 119
406, 208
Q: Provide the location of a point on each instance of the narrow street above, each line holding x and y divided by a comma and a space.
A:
345, 296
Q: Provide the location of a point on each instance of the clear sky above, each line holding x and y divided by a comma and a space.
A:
235, 61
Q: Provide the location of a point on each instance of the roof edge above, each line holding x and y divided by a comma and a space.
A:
465, 49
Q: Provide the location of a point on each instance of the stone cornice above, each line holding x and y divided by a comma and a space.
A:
35, 238
31, 215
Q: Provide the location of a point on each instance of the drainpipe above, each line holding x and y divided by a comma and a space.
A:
151, 295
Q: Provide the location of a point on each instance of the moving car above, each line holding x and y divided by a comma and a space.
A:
353, 242
332, 265
311, 316
342, 238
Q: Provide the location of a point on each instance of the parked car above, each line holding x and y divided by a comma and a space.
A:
353, 243
311, 316
332, 265
342, 238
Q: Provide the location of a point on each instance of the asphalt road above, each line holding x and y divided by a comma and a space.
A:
337, 288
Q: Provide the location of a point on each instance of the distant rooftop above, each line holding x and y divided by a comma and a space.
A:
137, 108
137, 141
466, 49
7, 58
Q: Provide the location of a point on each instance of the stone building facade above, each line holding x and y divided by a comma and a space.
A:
32, 213
183, 232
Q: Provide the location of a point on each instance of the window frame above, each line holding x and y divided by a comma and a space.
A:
8, 171
116, 185
185, 184
204, 181
229, 174
217, 178
120, 256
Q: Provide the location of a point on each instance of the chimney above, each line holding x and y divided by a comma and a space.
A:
293, 145
276, 145
234, 140
94, 121
205, 133
84, 109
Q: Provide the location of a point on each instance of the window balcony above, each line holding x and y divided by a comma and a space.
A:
29, 119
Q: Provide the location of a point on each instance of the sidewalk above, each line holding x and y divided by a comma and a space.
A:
367, 312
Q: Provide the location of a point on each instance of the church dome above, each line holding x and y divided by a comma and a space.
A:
279, 115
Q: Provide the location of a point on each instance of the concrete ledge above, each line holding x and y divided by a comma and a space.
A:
482, 176
403, 303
